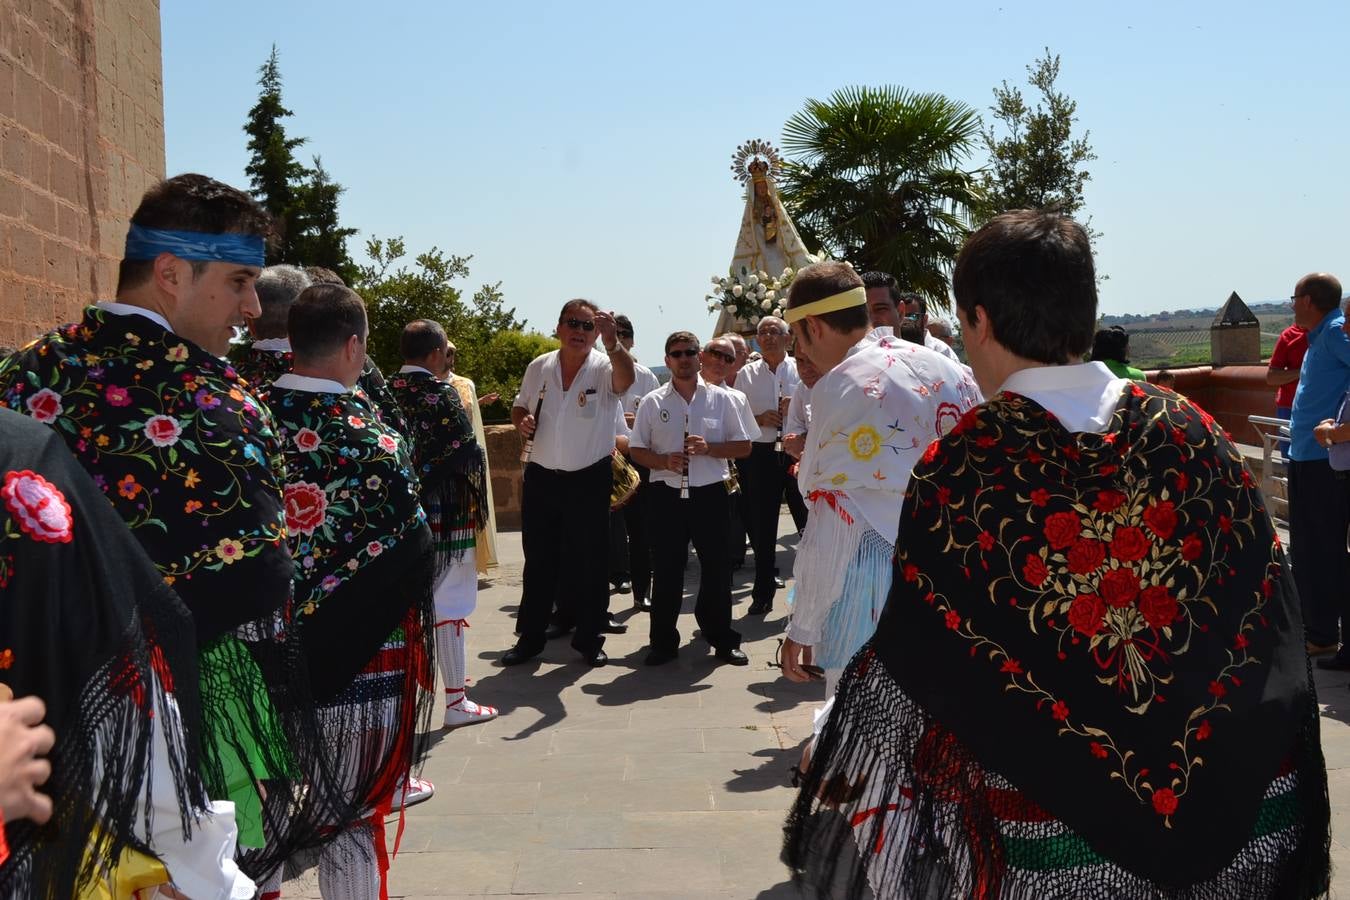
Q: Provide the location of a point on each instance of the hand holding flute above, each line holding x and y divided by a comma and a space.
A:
684, 469
529, 425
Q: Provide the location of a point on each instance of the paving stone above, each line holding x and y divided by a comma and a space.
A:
695, 872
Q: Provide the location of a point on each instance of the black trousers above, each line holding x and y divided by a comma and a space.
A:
630, 555
672, 523
565, 533
765, 480
1319, 516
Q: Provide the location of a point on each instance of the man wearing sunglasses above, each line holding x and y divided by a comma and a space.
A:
630, 554
768, 384
577, 394
684, 434
916, 309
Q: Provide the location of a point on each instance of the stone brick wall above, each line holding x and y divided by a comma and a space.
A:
503, 453
81, 138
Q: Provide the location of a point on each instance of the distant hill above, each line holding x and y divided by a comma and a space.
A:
1181, 337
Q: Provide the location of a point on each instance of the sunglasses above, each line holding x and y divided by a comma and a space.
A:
772, 334
727, 358
676, 354
623, 334
579, 324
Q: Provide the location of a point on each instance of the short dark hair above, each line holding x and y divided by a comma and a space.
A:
322, 319
1032, 274
1165, 375
682, 337
193, 203
421, 337
277, 287
625, 323
577, 303
1111, 343
825, 279
876, 279
912, 330
323, 275
1323, 290
908, 297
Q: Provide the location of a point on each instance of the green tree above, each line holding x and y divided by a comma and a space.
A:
1035, 161
876, 179
273, 170
322, 241
500, 364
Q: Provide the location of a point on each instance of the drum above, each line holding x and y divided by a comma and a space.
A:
625, 482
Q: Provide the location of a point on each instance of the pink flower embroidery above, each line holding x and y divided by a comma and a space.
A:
38, 506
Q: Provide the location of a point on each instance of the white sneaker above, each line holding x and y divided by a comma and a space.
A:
412, 792
466, 712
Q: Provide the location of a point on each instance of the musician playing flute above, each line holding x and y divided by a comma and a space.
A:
565, 500
768, 384
684, 433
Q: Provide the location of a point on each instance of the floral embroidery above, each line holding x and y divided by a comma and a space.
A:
38, 507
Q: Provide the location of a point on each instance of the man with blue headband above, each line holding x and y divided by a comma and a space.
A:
139, 391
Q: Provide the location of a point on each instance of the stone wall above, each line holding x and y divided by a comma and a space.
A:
1230, 394
503, 452
81, 138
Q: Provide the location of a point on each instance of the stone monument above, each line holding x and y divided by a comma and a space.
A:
1235, 335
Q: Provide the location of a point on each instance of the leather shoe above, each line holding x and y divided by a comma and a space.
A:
760, 607
642, 604
553, 632
613, 627
596, 659
624, 587
778, 582
519, 654
1337, 663
734, 655
660, 657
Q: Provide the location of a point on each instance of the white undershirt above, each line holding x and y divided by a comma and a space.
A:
293, 382
126, 309
404, 370
275, 345
1083, 396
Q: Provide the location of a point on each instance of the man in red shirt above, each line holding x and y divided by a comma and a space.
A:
1285, 362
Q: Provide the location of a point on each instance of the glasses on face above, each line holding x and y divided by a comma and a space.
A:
771, 333
686, 353
623, 333
727, 358
579, 324
912, 317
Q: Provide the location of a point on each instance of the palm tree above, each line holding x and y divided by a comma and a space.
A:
875, 178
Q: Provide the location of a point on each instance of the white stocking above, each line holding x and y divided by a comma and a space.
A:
349, 868
450, 654
271, 888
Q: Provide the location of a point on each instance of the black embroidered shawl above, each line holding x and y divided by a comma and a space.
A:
1089, 676
84, 622
448, 460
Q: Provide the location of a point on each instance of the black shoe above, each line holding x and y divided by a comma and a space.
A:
596, 659
1337, 663
778, 582
760, 607
613, 627
624, 587
520, 653
642, 604
553, 632
734, 655
660, 657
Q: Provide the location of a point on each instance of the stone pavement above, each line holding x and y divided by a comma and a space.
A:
626, 782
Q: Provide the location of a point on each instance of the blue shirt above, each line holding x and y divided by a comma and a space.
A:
1322, 383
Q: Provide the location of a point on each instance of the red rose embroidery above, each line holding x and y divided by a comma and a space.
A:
117, 396
307, 439
45, 405
1060, 710
1061, 529
1191, 548
1108, 501
953, 619
1098, 750
986, 541
930, 454
1086, 614
1161, 518
38, 506
1203, 732
1119, 587
1035, 571
1158, 606
387, 443
306, 507
163, 431
1086, 556
1040, 497
911, 572
1164, 801
1217, 689
1129, 544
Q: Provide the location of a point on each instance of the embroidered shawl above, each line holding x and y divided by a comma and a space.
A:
262, 367
1089, 678
87, 624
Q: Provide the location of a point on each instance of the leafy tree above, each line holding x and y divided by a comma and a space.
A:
876, 179
273, 170
1035, 162
322, 241
500, 364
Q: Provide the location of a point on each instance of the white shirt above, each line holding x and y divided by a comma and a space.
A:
763, 386
798, 420
1083, 397
404, 370
575, 428
644, 382
293, 382
933, 343
276, 345
126, 309
711, 414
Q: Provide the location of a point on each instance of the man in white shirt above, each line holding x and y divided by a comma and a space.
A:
630, 553
566, 409
916, 308
719, 362
884, 306
768, 384
684, 434
798, 420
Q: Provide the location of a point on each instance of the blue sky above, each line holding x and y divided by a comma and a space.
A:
582, 149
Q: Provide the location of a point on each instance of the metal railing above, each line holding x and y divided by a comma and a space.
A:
1274, 471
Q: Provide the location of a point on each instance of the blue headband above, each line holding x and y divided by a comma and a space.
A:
148, 243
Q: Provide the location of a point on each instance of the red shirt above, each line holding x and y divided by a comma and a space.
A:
1288, 354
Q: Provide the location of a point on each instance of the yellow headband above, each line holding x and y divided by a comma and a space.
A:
855, 297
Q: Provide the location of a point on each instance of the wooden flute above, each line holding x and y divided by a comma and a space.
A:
529, 442
684, 471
